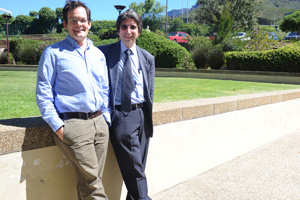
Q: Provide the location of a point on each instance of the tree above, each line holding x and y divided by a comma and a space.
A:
225, 24
175, 24
59, 20
244, 12
47, 20
33, 14
209, 12
24, 19
59, 14
22, 23
291, 23
150, 12
3, 20
103, 24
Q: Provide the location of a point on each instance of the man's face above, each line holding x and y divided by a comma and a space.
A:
78, 25
129, 32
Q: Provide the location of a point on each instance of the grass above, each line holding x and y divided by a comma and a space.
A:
17, 91
17, 94
177, 89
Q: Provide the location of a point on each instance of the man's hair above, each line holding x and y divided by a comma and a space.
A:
71, 5
130, 14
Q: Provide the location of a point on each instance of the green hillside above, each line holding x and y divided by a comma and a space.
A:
269, 10
275, 10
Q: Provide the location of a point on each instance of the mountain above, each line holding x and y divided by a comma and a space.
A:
273, 11
179, 12
270, 11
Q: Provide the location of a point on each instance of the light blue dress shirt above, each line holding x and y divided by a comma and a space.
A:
71, 80
137, 95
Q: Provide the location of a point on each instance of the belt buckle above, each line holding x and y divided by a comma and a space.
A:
90, 115
93, 115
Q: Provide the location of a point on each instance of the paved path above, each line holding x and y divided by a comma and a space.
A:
271, 172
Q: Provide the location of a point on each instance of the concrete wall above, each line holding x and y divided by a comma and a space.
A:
190, 137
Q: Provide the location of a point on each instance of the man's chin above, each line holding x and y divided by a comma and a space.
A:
80, 35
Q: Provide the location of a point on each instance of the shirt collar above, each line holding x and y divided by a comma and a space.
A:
74, 44
124, 48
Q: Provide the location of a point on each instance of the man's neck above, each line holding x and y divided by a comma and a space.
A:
82, 44
124, 47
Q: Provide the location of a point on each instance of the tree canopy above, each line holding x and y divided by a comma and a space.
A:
244, 12
291, 23
46, 21
150, 12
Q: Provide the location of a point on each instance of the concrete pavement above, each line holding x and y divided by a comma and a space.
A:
271, 172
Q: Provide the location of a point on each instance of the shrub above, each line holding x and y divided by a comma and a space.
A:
199, 40
108, 34
93, 37
194, 29
230, 44
28, 51
105, 42
199, 55
260, 42
286, 59
205, 54
215, 58
167, 53
4, 58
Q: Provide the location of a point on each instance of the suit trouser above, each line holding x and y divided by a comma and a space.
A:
85, 144
130, 144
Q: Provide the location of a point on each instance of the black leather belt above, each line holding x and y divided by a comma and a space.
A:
79, 115
133, 106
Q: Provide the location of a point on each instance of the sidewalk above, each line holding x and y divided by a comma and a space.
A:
271, 172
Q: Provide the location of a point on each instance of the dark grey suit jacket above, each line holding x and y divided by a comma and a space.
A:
147, 64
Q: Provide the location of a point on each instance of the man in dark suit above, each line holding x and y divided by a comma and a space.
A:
131, 81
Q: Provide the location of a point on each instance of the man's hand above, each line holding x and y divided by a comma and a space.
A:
60, 133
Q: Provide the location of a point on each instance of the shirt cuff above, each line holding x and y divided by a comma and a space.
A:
55, 123
107, 118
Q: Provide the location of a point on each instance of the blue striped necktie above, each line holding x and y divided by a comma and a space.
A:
127, 84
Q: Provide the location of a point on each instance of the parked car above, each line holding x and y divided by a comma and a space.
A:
242, 36
214, 36
292, 36
272, 35
179, 37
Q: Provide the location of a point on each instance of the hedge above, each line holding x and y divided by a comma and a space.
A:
167, 53
286, 59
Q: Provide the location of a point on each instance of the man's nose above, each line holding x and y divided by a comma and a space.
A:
128, 29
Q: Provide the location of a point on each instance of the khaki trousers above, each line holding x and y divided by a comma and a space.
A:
85, 143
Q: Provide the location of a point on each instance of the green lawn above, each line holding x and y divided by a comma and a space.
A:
177, 89
17, 94
17, 91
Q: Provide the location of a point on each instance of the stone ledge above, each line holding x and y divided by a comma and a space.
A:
191, 109
31, 133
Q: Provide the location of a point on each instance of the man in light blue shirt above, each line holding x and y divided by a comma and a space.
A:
72, 94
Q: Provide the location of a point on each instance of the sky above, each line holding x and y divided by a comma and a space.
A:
100, 9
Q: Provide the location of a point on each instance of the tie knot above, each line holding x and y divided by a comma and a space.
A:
128, 52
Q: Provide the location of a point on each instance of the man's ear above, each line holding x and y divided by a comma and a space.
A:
90, 25
65, 25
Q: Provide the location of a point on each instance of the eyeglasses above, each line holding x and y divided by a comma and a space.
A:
75, 21
125, 27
